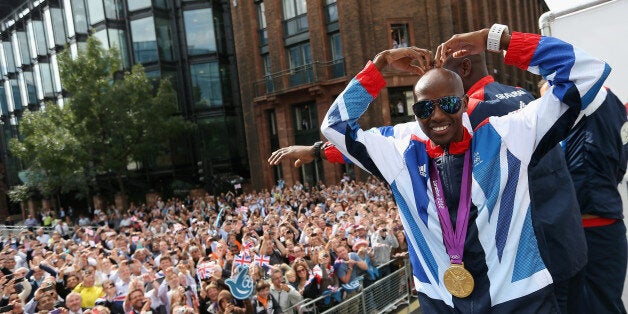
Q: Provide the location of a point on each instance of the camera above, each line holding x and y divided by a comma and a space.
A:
6, 308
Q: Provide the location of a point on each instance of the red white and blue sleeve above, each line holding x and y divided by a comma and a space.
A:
371, 151
576, 79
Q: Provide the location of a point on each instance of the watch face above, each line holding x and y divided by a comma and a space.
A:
624, 133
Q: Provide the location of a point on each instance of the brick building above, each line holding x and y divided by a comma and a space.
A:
295, 56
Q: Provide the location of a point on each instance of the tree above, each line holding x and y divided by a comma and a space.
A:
51, 150
118, 118
110, 119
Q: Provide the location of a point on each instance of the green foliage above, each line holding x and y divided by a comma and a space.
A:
110, 119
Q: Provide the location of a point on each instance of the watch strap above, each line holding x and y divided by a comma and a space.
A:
494, 37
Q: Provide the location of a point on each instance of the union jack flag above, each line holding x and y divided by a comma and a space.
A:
248, 246
206, 270
261, 260
242, 259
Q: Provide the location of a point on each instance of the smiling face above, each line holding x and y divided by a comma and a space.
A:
442, 128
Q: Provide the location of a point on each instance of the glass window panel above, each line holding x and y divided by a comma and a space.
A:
201, 38
31, 91
27, 88
25, 50
261, 21
114, 9
214, 132
8, 56
46, 79
206, 87
261, 15
80, 16
399, 33
56, 16
331, 10
292, 8
154, 77
102, 37
144, 40
138, 4
336, 46
337, 64
300, 64
96, 11
164, 34
15, 90
3, 102
300, 55
161, 4
117, 38
40, 38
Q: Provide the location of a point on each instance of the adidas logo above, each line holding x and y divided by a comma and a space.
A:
423, 170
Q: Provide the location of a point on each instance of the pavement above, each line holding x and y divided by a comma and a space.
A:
412, 308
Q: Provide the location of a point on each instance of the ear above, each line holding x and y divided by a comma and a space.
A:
465, 102
465, 67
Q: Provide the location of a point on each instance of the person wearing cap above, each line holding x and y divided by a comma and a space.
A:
359, 233
383, 243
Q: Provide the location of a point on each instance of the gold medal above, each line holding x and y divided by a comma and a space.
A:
458, 281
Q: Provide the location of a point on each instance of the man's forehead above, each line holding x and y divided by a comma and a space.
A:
438, 82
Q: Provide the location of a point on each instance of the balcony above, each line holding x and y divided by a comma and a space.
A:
306, 74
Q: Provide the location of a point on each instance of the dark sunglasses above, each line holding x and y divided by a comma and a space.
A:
425, 108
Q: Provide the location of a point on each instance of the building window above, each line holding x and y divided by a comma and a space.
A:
38, 37
29, 91
164, 36
103, 38
3, 102
80, 17
45, 73
117, 38
16, 101
300, 58
337, 59
305, 118
206, 87
268, 78
138, 4
261, 24
96, 11
274, 141
8, 57
295, 17
57, 26
399, 35
199, 31
25, 49
144, 40
306, 132
114, 9
331, 11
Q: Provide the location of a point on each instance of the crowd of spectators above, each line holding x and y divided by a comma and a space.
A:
298, 242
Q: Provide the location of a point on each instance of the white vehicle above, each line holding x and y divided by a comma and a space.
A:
599, 27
